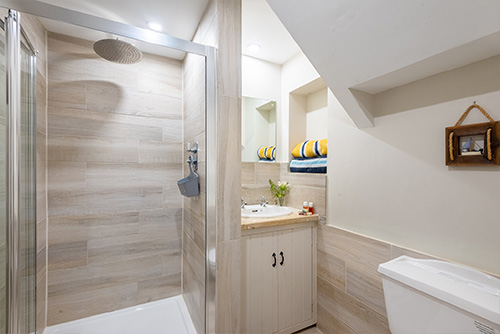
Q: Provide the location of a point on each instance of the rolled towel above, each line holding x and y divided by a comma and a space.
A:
311, 149
267, 152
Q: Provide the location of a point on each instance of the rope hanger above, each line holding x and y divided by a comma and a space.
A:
466, 113
488, 132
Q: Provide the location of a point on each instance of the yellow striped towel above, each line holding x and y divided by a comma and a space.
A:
311, 149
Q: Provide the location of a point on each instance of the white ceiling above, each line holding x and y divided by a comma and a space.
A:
362, 47
261, 26
180, 19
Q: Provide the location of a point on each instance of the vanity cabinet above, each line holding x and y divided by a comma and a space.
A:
279, 278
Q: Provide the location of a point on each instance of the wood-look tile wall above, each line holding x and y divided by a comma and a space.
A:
38, 37
350, 292
305, 187
228, 32
193, 237
114, 156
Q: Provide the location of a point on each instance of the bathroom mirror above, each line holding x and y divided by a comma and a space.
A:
258, 126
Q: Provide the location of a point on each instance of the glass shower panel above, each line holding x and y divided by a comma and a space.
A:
3, 188
27, 172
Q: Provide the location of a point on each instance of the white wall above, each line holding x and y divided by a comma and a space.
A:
295, 73
317, 115
390, 182
266, 80
260, 79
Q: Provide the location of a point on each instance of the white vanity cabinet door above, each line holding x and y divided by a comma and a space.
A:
295, 277
281, 298
259, 283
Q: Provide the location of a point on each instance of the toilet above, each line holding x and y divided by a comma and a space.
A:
437, 297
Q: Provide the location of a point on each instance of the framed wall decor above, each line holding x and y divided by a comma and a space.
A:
474, 144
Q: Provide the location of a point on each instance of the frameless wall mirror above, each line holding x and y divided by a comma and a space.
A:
258, 122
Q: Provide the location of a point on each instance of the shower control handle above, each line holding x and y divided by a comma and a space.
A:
193, 158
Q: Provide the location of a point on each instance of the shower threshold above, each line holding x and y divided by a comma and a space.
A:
166, 316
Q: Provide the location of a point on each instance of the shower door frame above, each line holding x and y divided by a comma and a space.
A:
209, 53
16, 38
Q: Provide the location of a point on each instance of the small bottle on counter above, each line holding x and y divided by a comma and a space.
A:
311, 207
305, 206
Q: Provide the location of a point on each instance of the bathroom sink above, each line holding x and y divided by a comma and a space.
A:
268, 211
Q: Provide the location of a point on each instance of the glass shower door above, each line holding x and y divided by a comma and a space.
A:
3, 188
17, 180
27, 188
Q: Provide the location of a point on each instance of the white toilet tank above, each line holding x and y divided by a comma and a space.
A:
436, 297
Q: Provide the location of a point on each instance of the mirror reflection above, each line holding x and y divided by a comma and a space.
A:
258, 133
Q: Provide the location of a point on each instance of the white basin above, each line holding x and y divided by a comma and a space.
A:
268, 211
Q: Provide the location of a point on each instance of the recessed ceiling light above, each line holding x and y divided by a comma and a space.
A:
253, 47
154, 26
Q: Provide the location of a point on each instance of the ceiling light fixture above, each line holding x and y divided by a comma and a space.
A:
253, 47
154, 26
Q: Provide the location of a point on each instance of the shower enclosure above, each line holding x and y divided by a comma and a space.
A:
17, 179
81, 229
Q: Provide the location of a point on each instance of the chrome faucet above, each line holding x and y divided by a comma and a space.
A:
263, 201
243, 203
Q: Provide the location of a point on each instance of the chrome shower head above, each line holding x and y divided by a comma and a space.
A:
117, 51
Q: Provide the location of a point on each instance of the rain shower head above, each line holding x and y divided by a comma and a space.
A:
117, 51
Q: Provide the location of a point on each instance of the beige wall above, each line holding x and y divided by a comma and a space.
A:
390, 182
37, 36
115, 153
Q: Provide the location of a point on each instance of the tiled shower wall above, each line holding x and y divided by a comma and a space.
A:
114, 156
193, 239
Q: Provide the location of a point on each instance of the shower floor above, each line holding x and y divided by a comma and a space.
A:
167, 316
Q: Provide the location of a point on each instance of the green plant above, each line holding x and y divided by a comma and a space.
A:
279, 190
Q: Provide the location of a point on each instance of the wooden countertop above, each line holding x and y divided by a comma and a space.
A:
293, 218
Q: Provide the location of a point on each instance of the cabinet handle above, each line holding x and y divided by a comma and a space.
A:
274, 256
282, 258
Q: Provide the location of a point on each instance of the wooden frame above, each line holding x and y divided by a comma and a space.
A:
490, 155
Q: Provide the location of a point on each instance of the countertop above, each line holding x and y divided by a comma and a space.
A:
293, 218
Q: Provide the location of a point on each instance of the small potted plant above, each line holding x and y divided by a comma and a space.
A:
279, 191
